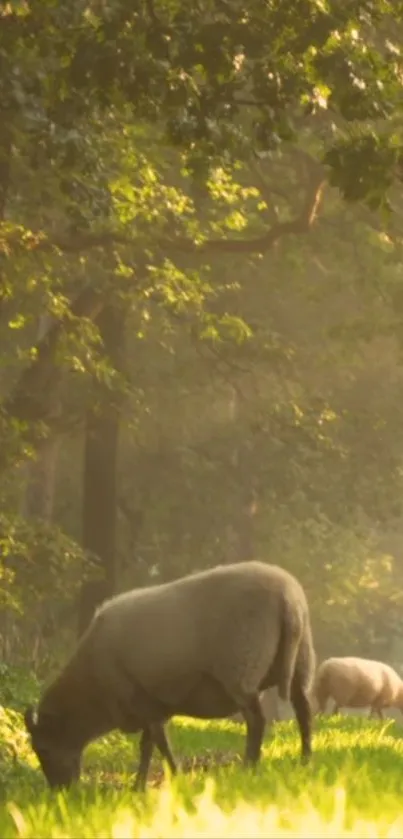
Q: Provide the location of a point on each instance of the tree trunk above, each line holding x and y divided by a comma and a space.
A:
240, 530
5, 161
100, 462
241, 533
38, 500
38, 503
39, 493
5, 168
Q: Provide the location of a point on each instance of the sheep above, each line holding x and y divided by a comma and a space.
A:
358, 683
203, 646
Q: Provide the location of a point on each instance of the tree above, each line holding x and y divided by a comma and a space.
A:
146, 148
217, 82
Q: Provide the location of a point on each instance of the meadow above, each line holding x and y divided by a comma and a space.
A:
353, 786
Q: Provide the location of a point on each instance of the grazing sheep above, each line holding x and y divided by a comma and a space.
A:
203, 646
358, 683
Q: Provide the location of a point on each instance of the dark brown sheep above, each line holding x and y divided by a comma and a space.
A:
203, 646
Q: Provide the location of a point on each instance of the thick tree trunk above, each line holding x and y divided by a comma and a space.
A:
100, 462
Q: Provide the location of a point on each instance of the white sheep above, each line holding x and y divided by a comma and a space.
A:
202, 646
358, 683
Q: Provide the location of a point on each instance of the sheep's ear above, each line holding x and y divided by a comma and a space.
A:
31, 719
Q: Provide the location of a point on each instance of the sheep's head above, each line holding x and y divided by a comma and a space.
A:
60, 762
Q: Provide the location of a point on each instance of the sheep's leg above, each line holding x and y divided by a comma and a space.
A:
255, 726
146, 750
320, 703
335, 709
161, 741
303, 712
376, 710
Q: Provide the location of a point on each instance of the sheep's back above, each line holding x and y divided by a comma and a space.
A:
148, 638
221, 621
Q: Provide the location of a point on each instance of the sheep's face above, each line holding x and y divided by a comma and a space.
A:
59, 762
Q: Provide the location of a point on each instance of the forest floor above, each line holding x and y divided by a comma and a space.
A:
353, 786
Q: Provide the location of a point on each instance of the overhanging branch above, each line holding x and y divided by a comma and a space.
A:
299, 225
83, 242
30, 402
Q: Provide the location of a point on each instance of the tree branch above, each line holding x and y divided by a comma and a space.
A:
31, 401
299, 225
38, 242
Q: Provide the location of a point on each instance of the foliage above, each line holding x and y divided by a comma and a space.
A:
26, 545
19, 687
185, 165
198, 70
38, 560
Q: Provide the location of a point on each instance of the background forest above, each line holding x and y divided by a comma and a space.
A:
201, 307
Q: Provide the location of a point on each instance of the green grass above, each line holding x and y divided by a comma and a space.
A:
352, 788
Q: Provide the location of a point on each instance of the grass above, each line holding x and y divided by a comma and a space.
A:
352, 787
